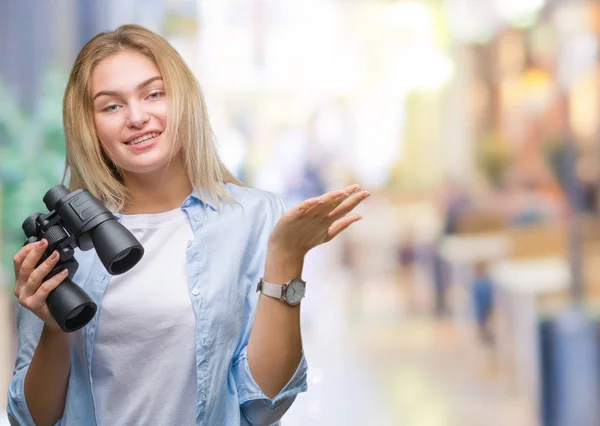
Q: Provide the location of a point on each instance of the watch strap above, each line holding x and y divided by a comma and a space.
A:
271, 290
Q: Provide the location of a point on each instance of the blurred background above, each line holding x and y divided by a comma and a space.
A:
469, 293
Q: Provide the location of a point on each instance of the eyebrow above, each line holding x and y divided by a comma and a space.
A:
139, 87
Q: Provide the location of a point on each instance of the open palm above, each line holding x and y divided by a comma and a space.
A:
317, 220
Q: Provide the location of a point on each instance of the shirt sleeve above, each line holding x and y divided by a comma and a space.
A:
255, 405
30, 329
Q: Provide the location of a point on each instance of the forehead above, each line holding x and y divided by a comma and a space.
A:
123, 72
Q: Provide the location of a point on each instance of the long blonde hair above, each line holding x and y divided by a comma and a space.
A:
87, 164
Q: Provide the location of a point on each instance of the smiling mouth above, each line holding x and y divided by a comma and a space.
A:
144, 138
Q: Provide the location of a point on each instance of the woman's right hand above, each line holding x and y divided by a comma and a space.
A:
31, 291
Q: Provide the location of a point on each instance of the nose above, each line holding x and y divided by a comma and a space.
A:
137, 117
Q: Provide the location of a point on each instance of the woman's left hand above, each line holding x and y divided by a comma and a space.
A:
317, 220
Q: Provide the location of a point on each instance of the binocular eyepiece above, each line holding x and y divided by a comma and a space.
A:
78, 219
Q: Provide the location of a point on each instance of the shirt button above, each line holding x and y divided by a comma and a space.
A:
187, 203
203, 396
195, 292
196, 218
204, 341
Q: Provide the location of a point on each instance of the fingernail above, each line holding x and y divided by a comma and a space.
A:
40, 243
64, 272
54, 256
367, 194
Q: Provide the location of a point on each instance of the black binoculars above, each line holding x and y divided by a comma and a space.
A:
78, 219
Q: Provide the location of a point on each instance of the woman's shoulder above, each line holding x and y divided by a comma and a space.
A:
254, 198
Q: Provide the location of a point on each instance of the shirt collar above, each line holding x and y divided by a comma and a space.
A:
197, 196
200, 196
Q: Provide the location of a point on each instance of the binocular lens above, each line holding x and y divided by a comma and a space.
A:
84, 222
79, 317
117, 248
70, 306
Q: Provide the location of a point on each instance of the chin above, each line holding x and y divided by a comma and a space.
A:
146, 167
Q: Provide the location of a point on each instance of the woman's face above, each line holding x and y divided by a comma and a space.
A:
130, 112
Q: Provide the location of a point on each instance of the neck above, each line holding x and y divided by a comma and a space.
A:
157, 192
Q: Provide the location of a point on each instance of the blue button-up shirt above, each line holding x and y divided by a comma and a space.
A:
224, 263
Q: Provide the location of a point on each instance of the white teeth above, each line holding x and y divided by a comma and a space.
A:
143, 138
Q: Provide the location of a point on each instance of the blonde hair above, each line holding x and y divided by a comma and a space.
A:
89, 166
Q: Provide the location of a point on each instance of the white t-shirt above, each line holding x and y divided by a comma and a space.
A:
143, 362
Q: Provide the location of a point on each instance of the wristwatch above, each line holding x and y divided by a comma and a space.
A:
291, 292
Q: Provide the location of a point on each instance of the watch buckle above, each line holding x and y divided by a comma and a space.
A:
259, 285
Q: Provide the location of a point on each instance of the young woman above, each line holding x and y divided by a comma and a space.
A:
184, 337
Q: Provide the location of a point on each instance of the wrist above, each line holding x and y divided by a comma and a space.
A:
282, 265
55, 332
289, 254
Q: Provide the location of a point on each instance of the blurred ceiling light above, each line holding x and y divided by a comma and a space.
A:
379, 124
422, 67
409, 15
471, 20
518, 11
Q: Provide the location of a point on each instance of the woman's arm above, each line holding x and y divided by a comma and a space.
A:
275, 346
47, 378
39, 386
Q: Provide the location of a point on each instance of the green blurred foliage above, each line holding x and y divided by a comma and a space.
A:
32, 154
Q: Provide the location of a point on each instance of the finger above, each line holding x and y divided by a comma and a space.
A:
31, 260
38, 275
304, 207
348, 205
319, 204
351, 188
341, 200
47, 286
342, 224
333, 198
334, 195
20, 257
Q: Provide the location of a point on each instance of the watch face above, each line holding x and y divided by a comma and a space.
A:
295, 291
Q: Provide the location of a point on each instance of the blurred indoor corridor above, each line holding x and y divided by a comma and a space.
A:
378, 356
469, 294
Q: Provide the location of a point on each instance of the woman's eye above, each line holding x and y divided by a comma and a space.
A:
111, 108
155, 95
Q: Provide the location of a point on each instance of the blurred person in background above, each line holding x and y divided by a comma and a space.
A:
407, 260
530, 205
528, 199
407, 251
182, 338
482, 293
455, 204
